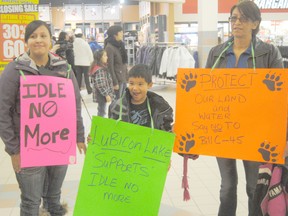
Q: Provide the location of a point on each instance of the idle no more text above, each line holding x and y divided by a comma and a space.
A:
47, 109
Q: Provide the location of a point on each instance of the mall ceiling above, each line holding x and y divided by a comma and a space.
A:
57, 3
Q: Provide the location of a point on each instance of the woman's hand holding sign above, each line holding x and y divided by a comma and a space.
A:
16, 162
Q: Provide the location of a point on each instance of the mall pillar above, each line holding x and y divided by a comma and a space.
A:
171, 23
207, 28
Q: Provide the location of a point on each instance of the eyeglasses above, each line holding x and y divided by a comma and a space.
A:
234, 19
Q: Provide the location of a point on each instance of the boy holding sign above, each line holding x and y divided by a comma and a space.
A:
128, 162
140, 106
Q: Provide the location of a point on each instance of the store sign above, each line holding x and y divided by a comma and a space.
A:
272, 4
14, 16
44, 13
93, 12
73, 13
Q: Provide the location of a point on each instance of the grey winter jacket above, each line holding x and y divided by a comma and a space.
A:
162, 113
10, 98
266, 55
116, 68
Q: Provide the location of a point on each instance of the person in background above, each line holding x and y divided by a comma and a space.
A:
66, 48
53, 41
242, 50
37, 61
93, 44
101, 80
71, 37
117, 59
83, 57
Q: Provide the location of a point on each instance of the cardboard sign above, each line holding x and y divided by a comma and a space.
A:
48, 121
14, 16
125, 169
232, 113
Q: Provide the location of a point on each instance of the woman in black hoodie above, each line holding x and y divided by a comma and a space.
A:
117, 59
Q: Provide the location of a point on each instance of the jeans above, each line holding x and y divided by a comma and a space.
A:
83, 70
31, 183
229, 181
102, 104
119, 93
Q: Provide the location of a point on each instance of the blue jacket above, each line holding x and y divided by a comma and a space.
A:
94, 46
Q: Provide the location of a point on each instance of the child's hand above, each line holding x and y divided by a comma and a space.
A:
108, 99
88, 138
81, 147
169, 166
116, 87
16, 162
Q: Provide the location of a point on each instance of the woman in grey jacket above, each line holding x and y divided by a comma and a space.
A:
242, 50
117, 59
37, 61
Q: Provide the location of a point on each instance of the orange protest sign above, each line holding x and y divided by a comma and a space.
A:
14, 16
232, 113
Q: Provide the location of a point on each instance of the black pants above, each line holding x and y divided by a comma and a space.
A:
83, 70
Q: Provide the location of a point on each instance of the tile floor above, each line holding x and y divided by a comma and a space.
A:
204, 179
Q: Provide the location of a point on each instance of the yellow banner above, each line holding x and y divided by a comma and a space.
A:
14, 16
232, 113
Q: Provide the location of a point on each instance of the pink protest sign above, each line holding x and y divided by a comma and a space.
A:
48, 121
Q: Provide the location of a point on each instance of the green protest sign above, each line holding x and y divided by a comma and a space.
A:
124, 170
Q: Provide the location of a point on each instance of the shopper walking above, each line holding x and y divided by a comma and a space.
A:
65, 48
83, 57
242, 50
93, 44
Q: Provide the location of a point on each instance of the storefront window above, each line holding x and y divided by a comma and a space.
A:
274, 32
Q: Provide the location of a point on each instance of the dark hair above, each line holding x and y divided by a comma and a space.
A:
62, 36
80, 35
97, 58
250, 10
142, 71
113, 30
32, 26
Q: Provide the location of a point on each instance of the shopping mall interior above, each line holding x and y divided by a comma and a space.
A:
192, 26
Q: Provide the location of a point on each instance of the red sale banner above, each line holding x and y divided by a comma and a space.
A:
14, 16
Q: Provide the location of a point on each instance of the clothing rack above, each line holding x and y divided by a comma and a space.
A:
151, 54
156, 79
161, 43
